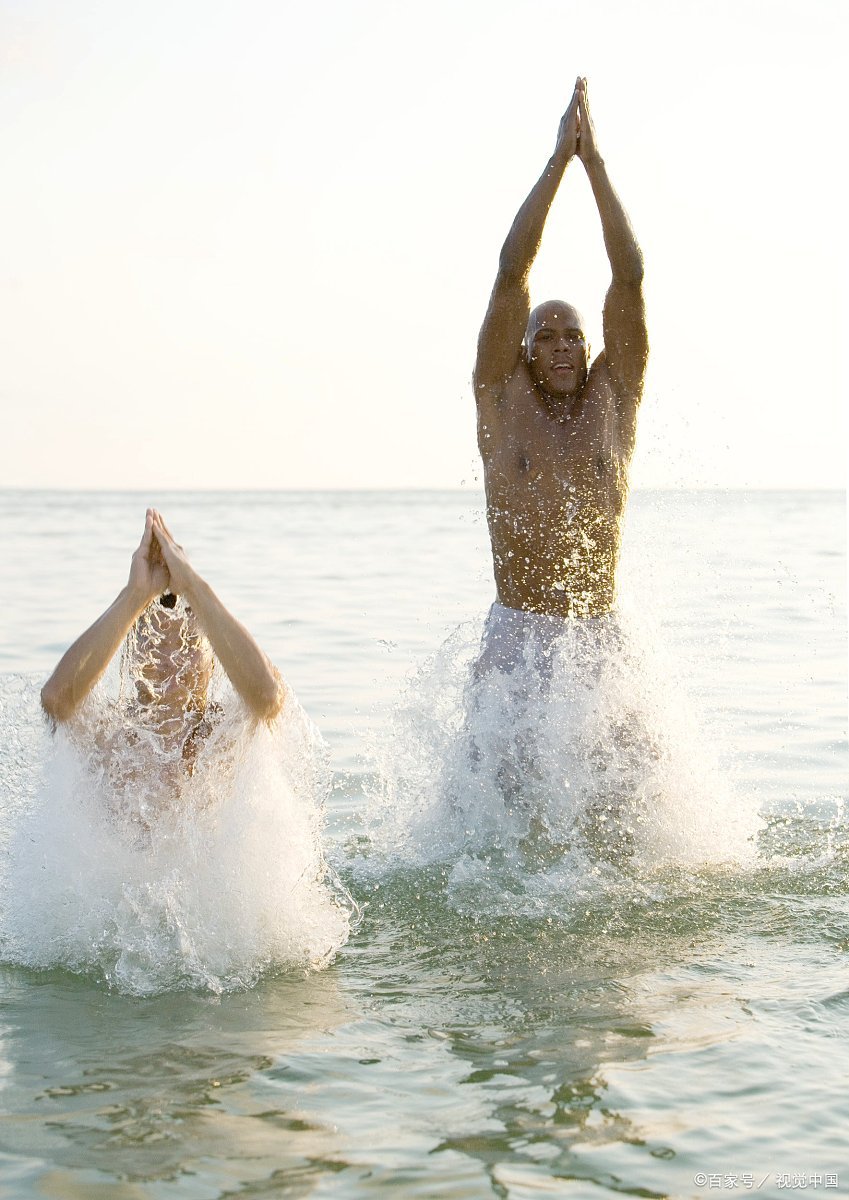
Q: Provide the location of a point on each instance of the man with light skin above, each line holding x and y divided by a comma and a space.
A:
170, 651
556, 430
170, 629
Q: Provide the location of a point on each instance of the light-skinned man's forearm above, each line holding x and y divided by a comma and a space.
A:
84, 662
245, 664
623, 252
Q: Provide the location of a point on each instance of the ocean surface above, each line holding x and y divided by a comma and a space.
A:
506, 1017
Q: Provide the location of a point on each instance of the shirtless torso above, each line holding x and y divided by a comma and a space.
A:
556, 438
142, 774
556, 491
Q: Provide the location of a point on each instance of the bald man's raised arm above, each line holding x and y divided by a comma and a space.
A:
625, 336
500, 338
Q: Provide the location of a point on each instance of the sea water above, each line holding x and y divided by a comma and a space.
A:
518, 1012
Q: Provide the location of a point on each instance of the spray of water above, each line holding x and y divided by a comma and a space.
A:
161, 853
545, 775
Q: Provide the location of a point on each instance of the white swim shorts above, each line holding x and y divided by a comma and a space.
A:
512, 638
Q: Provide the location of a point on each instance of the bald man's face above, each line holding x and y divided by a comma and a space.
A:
557, 350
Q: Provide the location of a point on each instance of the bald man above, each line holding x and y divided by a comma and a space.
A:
556, 430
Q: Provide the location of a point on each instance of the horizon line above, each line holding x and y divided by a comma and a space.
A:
389, 489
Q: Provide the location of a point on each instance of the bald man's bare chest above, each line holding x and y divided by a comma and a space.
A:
535, 460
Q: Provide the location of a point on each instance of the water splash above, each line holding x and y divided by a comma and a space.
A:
157, 877
553, 777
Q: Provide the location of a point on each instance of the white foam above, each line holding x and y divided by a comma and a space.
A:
207, 886
581, 763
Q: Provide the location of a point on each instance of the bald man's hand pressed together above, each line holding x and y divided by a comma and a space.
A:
556, 434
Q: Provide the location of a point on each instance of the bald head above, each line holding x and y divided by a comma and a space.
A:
552, 314
556, 349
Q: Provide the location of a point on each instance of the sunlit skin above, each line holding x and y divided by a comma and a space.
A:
171, 666
556, 429
169, 651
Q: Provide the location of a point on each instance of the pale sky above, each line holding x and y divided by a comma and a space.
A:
250, 244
